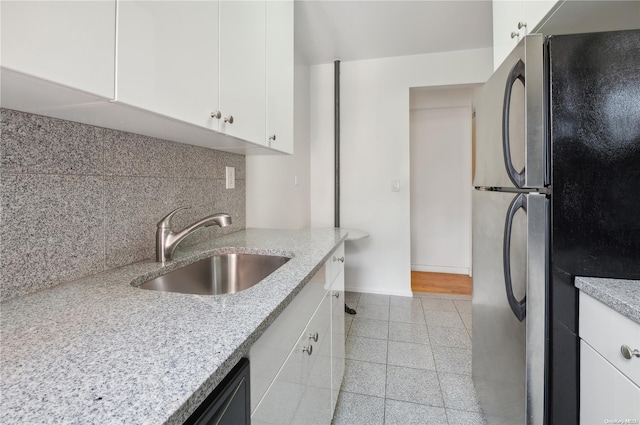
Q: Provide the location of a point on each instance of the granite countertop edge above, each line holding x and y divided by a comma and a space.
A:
81, 346
622, 295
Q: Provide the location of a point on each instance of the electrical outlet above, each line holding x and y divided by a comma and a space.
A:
231, 177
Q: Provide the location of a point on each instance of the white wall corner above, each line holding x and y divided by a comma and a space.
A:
322, 145
375, 106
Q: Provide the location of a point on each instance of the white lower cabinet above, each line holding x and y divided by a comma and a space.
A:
609, 382
606, 395
296, 380
310, 363
337, 324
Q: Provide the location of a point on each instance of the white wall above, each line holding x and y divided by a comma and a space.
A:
322, 143
273, 199
375, 151
441, 180
442, 97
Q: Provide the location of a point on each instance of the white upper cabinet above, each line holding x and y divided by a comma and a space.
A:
169, 69
71, 43
554, 17
506, 16
280, 66
534, 11
168, 58
243, 69
512, 20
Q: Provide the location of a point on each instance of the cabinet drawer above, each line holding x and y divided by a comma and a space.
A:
337, 338
270, 351
336, 264
300, 365
606, 331
301, 392
606, 395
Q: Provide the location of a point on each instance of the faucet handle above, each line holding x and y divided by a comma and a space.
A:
165, 223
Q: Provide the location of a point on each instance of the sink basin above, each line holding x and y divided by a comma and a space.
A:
220, 274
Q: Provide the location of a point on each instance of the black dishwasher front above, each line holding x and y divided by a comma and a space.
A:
229, 403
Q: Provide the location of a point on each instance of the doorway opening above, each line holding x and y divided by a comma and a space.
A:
441, 152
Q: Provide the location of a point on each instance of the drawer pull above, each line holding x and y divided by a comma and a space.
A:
628, 353
336, 294
308, 349
341, 259
314, 337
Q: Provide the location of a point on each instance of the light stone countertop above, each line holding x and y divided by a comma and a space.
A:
622, 295
100, 351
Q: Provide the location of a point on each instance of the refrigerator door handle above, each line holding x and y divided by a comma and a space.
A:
519, 308
517, 73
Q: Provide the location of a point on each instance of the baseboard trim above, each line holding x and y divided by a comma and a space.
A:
351, 288
440, 269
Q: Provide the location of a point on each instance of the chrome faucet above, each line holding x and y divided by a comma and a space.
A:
166, 240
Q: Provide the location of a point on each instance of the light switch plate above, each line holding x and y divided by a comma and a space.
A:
231, 177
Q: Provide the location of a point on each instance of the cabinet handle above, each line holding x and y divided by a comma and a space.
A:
515, 34
522, 25
341, 259
229, 119
314, 337
272, 137
308, 349
628, 353
336, 294
216, 114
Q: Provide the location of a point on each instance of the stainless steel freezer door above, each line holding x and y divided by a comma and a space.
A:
516, 92
504, 367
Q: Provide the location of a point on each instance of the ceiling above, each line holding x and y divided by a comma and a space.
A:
326, 30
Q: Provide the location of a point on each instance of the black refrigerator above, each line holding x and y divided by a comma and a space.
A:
557, 196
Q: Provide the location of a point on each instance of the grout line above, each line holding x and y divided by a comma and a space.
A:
437, 371
435, 365
386, 366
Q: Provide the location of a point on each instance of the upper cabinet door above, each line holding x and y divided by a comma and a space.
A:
71, 43
242, 69
512, 20
506, 16
534, 12
280, 68
168, 58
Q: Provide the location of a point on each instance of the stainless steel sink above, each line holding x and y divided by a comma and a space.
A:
220, 274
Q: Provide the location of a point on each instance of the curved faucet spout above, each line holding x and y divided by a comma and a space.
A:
167, 241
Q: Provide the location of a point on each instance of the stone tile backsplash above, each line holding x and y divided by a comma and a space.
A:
76, 200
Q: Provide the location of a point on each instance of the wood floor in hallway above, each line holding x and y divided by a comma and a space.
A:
441, 283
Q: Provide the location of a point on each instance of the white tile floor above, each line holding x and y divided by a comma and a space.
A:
408, 362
